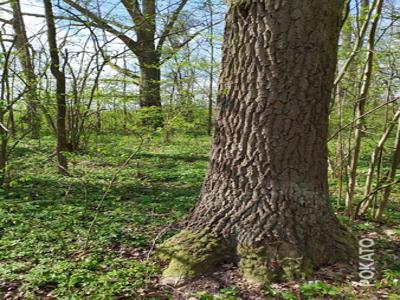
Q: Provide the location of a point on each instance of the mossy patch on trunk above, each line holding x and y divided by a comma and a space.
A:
191, 254
268, 264
194, 253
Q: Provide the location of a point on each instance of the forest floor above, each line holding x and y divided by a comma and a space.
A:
93, 235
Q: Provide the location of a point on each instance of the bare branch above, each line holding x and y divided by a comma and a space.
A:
100, 22
170, 25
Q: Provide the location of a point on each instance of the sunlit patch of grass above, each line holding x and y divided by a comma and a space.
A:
60, 236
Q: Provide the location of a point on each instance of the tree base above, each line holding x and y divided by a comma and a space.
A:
265, 265
192, 254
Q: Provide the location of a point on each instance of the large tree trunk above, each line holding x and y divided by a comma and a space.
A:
265, 202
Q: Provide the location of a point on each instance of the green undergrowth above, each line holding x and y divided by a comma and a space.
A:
76, 238
57, 235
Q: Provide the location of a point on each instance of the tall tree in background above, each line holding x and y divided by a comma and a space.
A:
390, 179
4, 103
265, 201
25, 56
59, 75
145, 48
359, 108
212, 67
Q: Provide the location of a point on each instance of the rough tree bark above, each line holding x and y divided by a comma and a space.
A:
264, 202
60, 89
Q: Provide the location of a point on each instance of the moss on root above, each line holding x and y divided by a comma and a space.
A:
253, 264
296, 268
264, 265
191, 254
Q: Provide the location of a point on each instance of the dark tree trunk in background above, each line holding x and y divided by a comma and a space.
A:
148, 55
265, 202
59, 75
150, 88
24, 47
150, 77
144, 17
